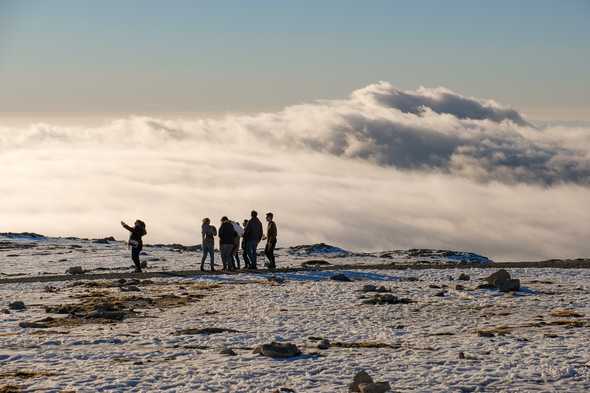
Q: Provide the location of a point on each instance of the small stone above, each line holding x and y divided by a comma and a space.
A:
33, 325
143, 264
482, 333
463, 277
377, 387
461, 355
459, 287
275, 279
75, 270
440, 294
324, 344
278, 350
130, 288
360, 377
18, 305
5, 311
228, 352
369, 288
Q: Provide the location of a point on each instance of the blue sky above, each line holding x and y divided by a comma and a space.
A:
218, 56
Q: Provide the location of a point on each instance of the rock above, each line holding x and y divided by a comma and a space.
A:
207, 331
143, 264
440, 294
284, 390
377, 387
104, 240
5, 311
33, 325
459, 287
482, 333
315, 263
461, 355
463, 277
75, 270
340, 277
278, 350
386, 299
275, 279
130, 288
511, 285
374, 288
360, 377
106, 314
324, 344
502, 281
18, 305
227, 352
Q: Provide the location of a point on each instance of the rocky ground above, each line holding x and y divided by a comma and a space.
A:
427, 330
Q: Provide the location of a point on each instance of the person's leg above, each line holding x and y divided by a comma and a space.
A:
135, 258
245, 257
205, 251
237, 258
212, 256
252, 254
271, 254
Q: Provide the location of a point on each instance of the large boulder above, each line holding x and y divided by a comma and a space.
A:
278, 350
502, 281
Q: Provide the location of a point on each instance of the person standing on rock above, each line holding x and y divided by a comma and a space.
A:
244, 251
227, 235
135, 242
208, 233
271, 241
252, 236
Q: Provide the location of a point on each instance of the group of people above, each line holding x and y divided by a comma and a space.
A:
232, 237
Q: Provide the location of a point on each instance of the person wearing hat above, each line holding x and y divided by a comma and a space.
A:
271, 240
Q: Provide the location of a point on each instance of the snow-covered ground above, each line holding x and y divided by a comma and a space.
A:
532, 340
30, 256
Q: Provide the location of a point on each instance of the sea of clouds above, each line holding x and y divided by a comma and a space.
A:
380, 170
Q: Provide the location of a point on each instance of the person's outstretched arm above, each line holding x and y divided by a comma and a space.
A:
126, 226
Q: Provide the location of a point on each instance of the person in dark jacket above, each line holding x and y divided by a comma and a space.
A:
135, 242
244, 251
208, 233
271, 241
227, 235
252, 236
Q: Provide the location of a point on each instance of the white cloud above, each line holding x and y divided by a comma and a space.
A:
375, 171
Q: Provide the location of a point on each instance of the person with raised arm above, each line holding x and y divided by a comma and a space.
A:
135, 241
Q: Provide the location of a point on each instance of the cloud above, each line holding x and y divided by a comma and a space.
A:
364, 173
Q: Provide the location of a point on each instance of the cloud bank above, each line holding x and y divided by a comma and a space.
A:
381, 169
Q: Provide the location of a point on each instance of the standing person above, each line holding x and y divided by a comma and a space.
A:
227, 235
271, 241
244, 251
239, 233
135, 242
252, 236
208, 232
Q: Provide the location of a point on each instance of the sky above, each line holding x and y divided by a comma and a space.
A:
84, 58
372, 126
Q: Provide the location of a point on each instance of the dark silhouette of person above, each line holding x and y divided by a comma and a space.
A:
208, 233
244, 251
252, 235
227, 235
271, 241
135, 241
